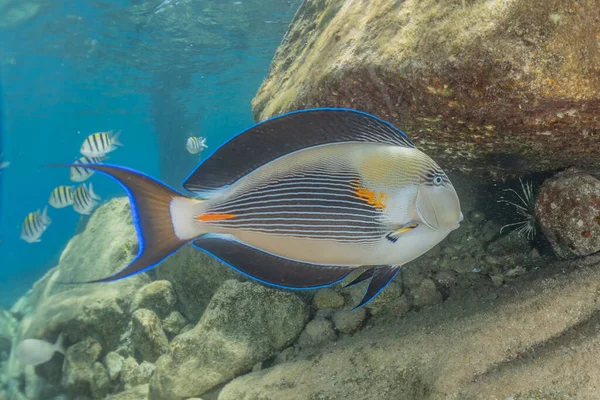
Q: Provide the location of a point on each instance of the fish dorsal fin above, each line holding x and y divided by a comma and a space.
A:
285, 134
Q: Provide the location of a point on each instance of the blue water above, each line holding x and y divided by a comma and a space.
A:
149, 69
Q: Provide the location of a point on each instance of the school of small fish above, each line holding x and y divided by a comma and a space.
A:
83, 199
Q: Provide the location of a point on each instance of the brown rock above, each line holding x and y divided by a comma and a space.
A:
486, 87
568, 210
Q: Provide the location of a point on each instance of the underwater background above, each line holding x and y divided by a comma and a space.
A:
158, 73
503, 95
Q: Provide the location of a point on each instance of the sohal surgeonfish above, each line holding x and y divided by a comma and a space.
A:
300, 201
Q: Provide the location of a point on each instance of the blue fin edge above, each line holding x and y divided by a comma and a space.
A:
135, 218
260, 280
379, 291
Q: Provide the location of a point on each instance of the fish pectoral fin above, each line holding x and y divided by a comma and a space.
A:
269, 268
382, 276
393, 236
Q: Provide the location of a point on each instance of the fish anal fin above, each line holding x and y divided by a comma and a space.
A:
269, 268
382, 276
366, 274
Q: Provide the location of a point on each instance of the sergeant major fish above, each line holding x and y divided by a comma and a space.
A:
79, 173
34, 225
195, 145
300, 201
61, 196
84, 199
100, 143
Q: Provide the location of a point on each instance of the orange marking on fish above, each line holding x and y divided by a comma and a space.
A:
214, 217
375, 199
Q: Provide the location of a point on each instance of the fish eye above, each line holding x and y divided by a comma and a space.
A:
438, 180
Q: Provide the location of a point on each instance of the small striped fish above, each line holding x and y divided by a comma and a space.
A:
34, 225
79, 173
300, 201
84, 199
100, 143
195, 145
61, 197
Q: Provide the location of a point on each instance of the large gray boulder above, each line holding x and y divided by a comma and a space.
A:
245, 323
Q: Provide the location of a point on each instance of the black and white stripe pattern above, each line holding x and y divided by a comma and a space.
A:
309, 205
100, 143
84, 199
195, 145
34, 225
80, 173
61, 197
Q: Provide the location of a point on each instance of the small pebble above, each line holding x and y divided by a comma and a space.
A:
113, 363
349, 321
285, 355
476, 217
514, 272
497, 280
328, 298
426, 294
317, 332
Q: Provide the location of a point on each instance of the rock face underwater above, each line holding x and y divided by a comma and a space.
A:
489, 89
485, 87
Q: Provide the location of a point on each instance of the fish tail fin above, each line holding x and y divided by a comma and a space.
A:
115, 139
59, 345
164, 219
93, 195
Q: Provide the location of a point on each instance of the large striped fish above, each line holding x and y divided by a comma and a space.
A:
300, 201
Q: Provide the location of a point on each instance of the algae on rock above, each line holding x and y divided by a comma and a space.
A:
485, 87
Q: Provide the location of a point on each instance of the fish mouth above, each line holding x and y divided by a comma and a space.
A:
439, 210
